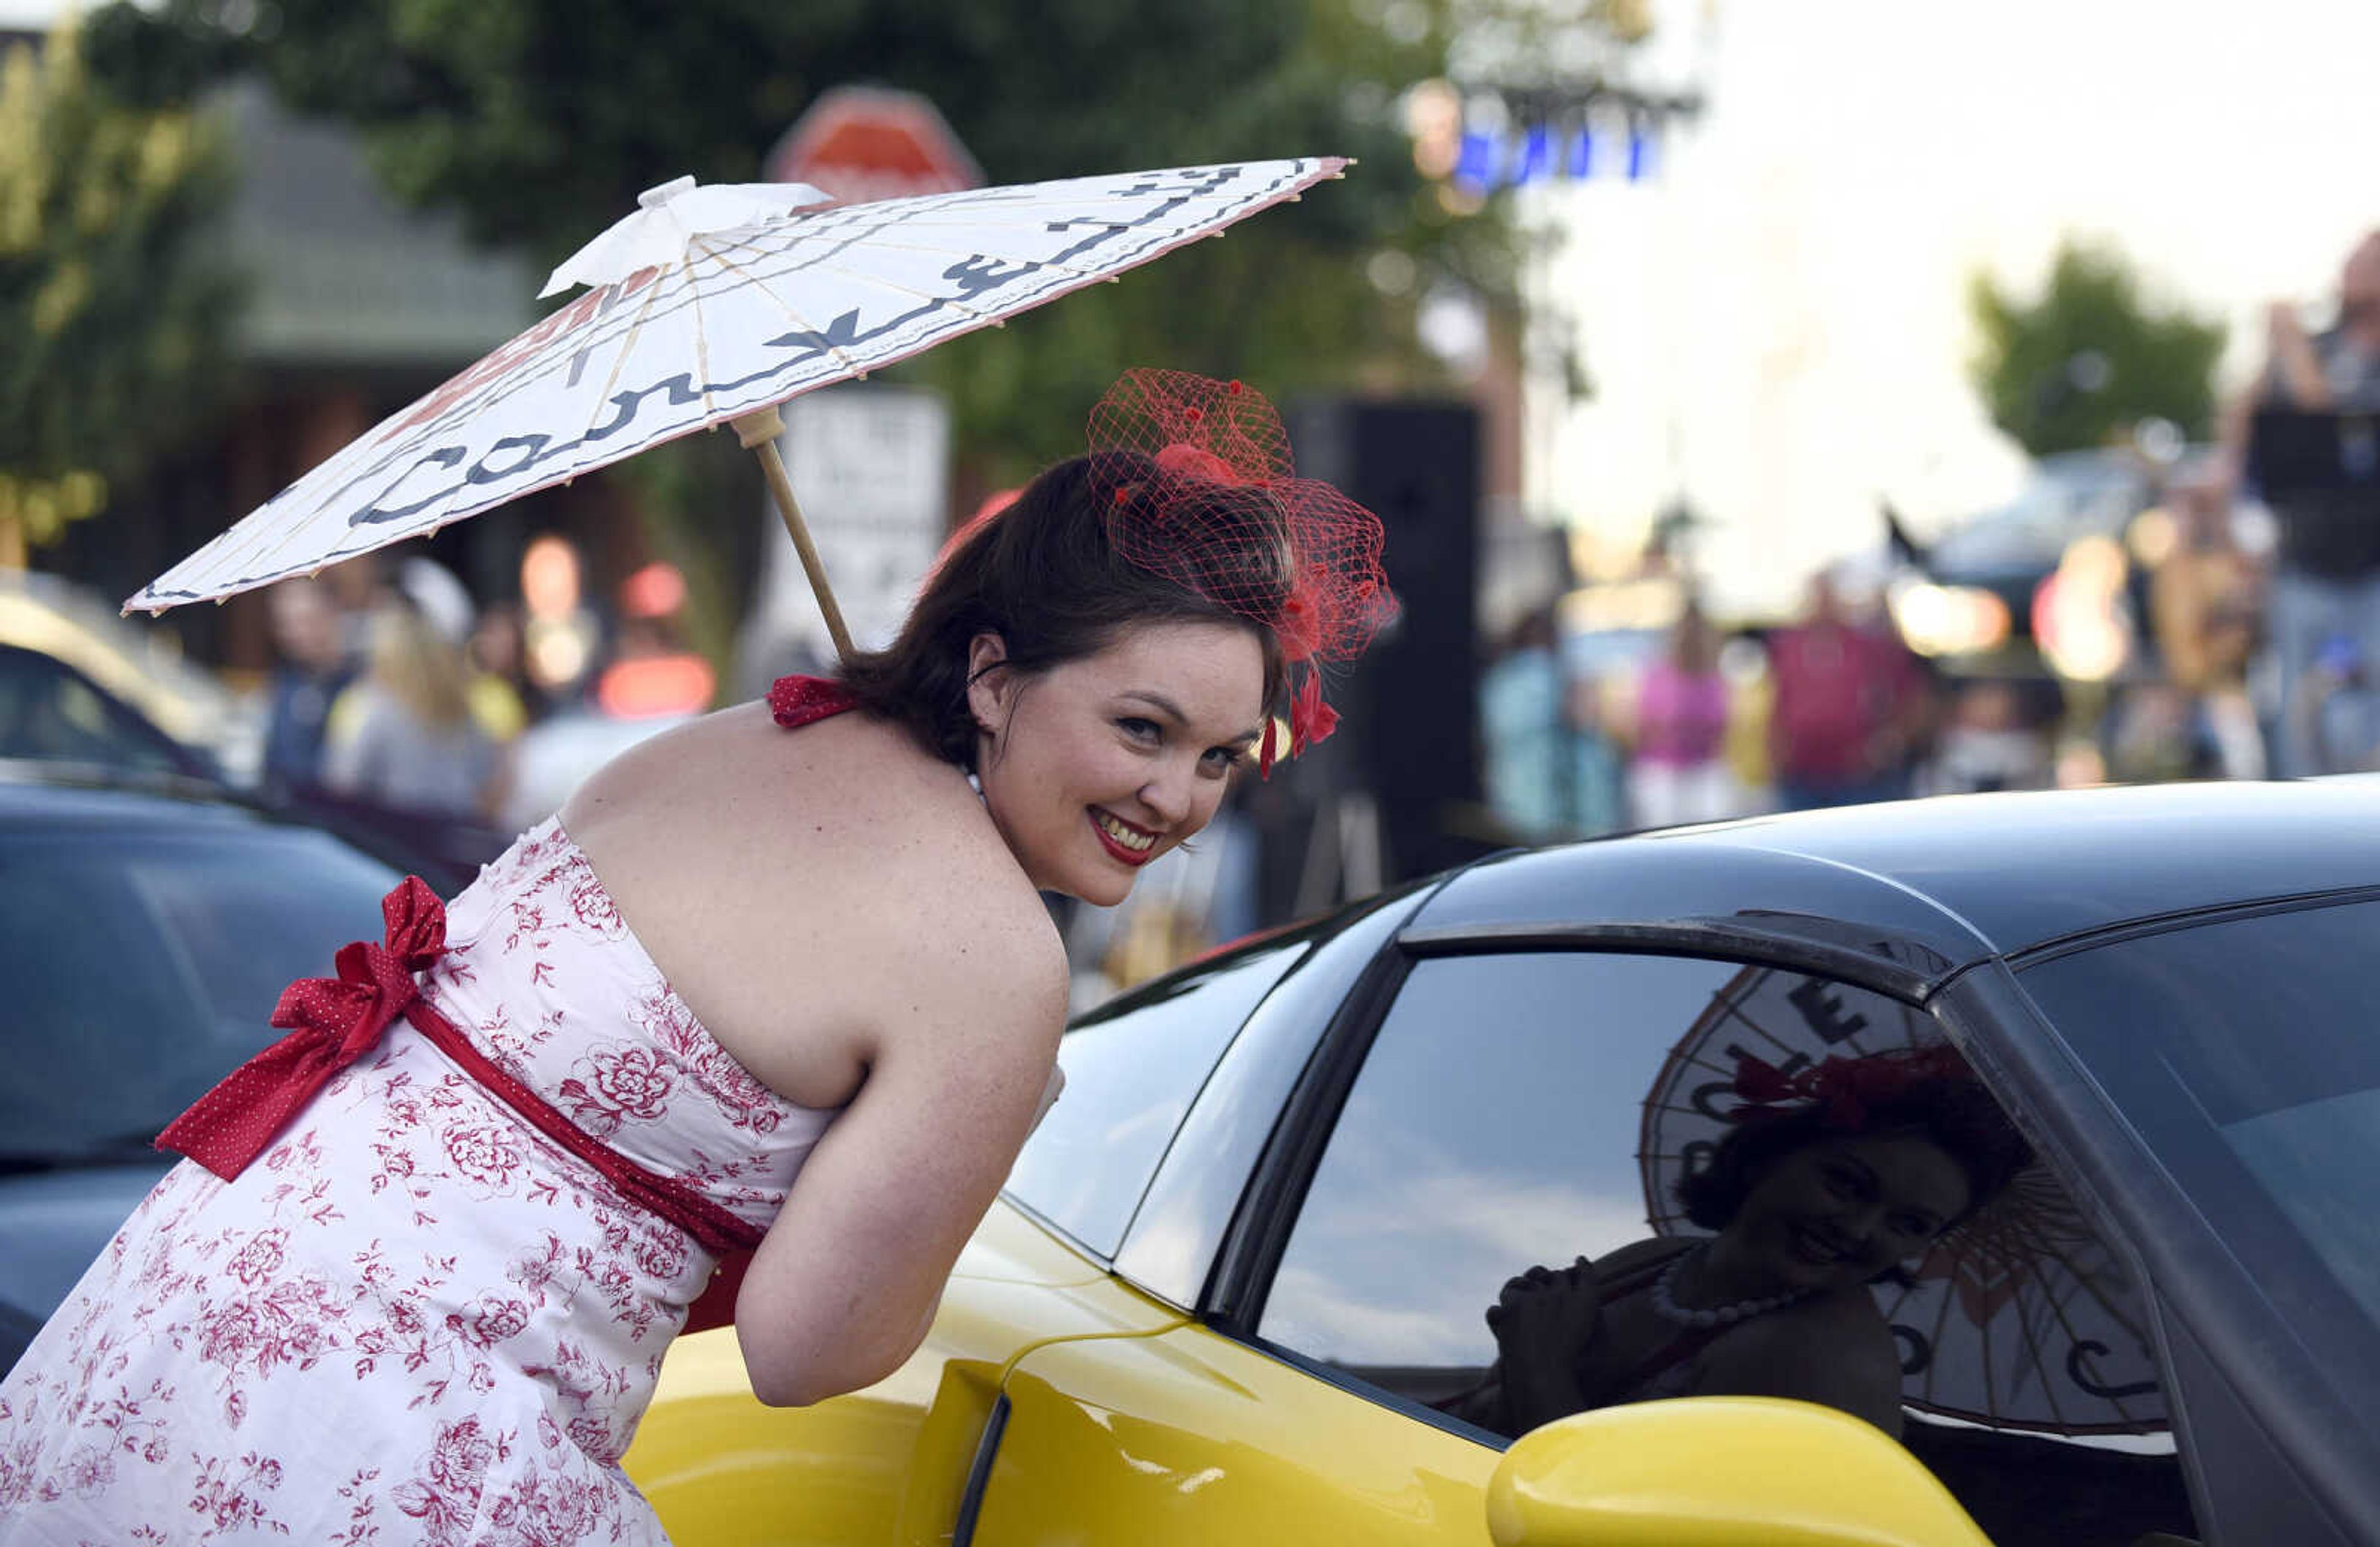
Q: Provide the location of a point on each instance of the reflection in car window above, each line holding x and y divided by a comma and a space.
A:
141, 966
1575, 1180
1132, 1068
2264, 1092
49, 712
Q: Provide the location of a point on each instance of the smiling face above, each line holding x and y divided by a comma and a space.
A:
1838, 1213
1093, 768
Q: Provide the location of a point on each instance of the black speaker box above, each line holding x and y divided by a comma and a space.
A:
1409, 730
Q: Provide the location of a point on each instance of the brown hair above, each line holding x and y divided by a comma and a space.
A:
1954, 1112
1044, 575
418, 667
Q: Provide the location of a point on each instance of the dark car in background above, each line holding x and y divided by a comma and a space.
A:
146, 932
1235, 1288
139, 664
50, 711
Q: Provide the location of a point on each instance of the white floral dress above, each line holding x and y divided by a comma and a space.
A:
415, 1318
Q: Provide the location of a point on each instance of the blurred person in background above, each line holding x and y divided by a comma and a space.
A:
405, 739
652, 672
1524, 734
2206, 603
1848, 710
1988, 744
1677, 764
1552, 767
2326, 577
311, 636
503, 699
2333, 717
1598, 782
2153, 735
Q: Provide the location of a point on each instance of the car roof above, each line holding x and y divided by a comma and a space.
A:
1938, 885
49, 797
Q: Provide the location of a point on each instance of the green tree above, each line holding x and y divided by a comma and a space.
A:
2091, 357
112, 307
539, 121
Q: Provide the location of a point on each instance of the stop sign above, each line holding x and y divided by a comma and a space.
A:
860, 143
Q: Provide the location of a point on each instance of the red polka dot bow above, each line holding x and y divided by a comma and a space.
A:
331, 1022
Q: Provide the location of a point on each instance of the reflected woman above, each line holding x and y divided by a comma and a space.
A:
1830, 1179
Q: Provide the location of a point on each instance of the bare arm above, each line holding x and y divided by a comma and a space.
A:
2296, 371
845, 1285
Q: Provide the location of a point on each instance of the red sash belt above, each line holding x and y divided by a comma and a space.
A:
334, 1021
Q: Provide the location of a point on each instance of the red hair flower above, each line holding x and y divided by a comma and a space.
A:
1843, 1089
1310, 720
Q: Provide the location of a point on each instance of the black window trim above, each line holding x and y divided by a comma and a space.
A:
1232, 1301
1331, 958
1299, 941
2187, 919
1714, 939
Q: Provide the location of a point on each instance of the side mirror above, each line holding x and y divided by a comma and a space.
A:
1719, 1471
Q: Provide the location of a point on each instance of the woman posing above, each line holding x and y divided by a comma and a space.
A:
750, 989
1830, 1181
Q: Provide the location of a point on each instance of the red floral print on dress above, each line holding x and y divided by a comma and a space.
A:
616, 1083
408, 1258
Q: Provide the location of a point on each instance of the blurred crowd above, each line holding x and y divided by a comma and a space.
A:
2249, 602
397, 699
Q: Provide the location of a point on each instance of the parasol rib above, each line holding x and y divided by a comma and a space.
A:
627, 344
761, 284
878, 281
701, 340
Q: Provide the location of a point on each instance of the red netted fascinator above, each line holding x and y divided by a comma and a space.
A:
1843, 1090
1200, 489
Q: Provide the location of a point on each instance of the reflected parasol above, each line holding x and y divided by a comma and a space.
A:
2019, 1318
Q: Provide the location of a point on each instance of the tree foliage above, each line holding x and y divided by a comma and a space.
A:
540, 120
2091, 357
113, 306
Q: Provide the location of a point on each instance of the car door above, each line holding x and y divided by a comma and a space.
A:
1503, 1110
892, 1463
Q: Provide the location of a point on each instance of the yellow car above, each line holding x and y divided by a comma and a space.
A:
1239, 1287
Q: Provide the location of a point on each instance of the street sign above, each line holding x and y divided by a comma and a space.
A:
870, 466
861, 143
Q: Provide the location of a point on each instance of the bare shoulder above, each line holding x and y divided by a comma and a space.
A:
1834, 1349
842, 860
1847, 1322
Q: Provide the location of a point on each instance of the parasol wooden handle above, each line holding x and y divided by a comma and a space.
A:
759, 431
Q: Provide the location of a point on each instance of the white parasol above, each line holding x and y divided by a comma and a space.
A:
2019, 1318
713, 305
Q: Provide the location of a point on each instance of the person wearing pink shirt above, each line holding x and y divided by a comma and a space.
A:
1677, 772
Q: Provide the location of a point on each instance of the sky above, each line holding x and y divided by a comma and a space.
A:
1777, 329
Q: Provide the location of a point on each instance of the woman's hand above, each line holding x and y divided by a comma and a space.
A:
1542, 1323
1546, 1313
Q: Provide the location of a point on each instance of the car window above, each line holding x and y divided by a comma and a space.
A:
2243, 1052
1132, 1068
48, 712
1672, 1177
141, 966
